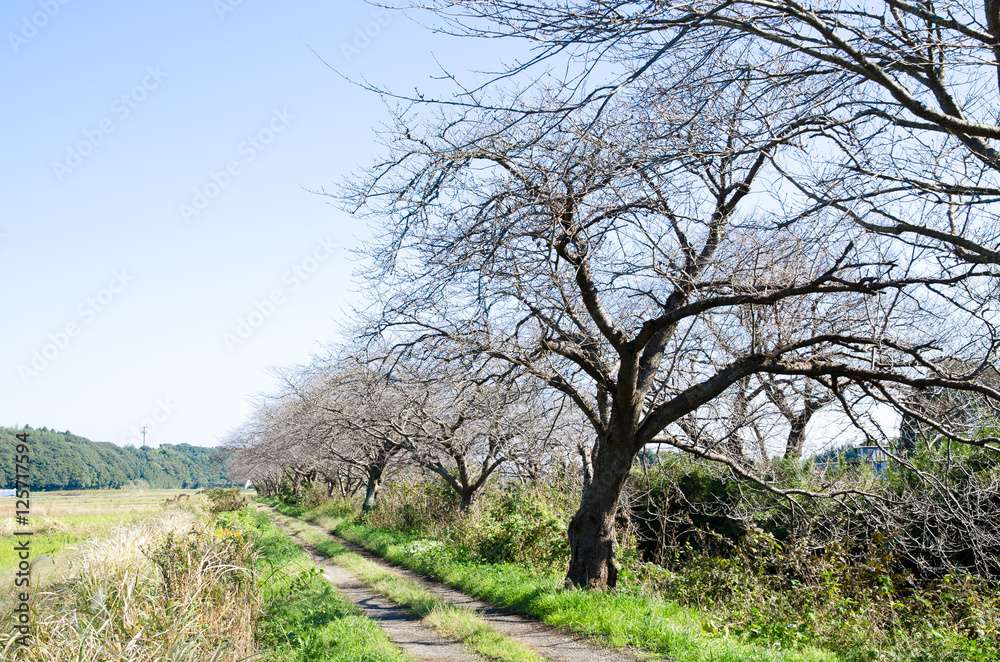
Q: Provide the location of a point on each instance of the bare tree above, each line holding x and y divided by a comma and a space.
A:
909, 150
597, 246
338, 396
461, 422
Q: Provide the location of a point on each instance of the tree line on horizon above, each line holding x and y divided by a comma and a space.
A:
65, 461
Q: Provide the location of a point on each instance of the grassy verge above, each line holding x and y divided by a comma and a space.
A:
451, 621
617, 618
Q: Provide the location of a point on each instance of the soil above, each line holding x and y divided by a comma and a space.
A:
551, 643
404, 629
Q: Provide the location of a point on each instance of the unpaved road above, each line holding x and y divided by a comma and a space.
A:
405, 630
556, 645
553, 644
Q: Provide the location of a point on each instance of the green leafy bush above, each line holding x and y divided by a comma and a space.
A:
224, 500
515, 527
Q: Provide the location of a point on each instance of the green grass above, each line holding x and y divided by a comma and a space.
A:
616, 618
451, 621
59, 520
44, 544
304, 618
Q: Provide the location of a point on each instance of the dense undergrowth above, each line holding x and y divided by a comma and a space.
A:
177, 586
753, 580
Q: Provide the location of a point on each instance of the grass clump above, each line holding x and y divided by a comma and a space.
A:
222, 500
169, 588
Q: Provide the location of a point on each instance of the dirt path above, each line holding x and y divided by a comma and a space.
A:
556, 645
404, 629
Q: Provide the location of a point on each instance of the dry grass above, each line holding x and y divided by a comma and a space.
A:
174, 587
60, 520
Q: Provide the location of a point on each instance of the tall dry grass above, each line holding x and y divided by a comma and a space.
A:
169, 589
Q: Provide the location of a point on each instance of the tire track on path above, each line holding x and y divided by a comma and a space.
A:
406, 630
554, 644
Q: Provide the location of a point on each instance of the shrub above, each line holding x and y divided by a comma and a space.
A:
224, 500
515, 526
424, 508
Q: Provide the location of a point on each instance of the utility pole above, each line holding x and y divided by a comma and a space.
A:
144, 438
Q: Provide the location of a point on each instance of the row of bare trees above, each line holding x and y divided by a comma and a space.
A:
718, 210
721, 219
350, 419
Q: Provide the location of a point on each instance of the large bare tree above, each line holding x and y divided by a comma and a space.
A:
599, 240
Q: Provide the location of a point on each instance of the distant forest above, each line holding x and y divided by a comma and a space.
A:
65, 461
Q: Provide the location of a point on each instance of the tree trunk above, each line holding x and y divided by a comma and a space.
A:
371, 492
468, 498
796, 437
587, 467
592, 530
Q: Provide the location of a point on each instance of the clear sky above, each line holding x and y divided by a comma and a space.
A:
159, 241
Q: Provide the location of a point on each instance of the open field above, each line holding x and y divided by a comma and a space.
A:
60, 519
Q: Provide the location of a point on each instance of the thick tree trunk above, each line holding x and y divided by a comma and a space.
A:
468, 498
371, 492
592, 529
796, 437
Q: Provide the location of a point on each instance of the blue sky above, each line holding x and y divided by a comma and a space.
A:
159, 241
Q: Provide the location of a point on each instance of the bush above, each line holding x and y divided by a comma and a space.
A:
515, 526
225, 500
843, 575
680, 508
338, 508
424, 508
